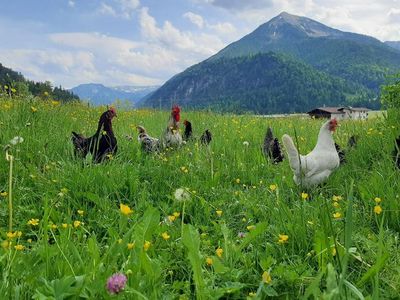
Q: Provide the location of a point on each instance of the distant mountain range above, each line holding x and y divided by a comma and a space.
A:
288, 64
393, 44
99, 94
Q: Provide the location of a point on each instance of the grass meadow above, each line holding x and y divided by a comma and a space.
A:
238, 227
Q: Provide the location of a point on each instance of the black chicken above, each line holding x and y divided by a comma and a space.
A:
102, 143
206, 137
188, 134
271, 148
351, 143
396, 153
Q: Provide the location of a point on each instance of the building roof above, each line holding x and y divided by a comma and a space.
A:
331, 110
337, 110
354, 108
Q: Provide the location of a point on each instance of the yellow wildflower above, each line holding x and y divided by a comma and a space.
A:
283, 238
80, 212
237, 180
77, 224
29, 241
4, 194
252, 294
171, 218
219, 213
304, 196
19, 247
336, 204
337, 215
266, 277
33, 109
125, 209
165, 236
131, 246
219, 252
377, 209
273, 187
5, 244
336, 198
176, 214
64, 225
333, 251
251, 227
146, 245
209, 261
33, 222
377, 200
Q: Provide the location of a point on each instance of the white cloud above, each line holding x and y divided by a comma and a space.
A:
195, 19
71, 3
380, 19
170, 37
119, 8
107, 10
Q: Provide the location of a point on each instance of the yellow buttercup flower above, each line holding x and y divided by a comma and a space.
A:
209, 261
273, 187
304, 196
5, 244
19, 247
131, 246
283, 238
176, 214
80, 212
378, 209
33, 109
337, 215
165, 236
171, 218
336, 198
219, 252
33, 222
237, 180
377, 200
77, 224
219, 213
125, 209
64, 225
4, 194
266, 277
146, 245
251, 227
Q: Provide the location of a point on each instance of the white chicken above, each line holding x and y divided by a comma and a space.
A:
315, 167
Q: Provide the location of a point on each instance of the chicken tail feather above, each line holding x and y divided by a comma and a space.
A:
292, 152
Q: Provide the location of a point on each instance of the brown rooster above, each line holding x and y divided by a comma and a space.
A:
102, 143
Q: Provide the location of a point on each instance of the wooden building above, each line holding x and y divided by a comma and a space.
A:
340, 113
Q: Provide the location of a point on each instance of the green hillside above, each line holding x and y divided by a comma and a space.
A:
262, 83
14, 84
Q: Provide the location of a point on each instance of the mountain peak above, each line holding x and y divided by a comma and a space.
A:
301, 25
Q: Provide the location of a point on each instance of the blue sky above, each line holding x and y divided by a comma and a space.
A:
146, 42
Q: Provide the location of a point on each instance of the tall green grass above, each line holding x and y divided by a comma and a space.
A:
352, 256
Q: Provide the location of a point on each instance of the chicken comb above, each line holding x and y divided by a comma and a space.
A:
176, 109
112, 109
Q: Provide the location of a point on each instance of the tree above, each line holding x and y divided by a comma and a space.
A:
390, 93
